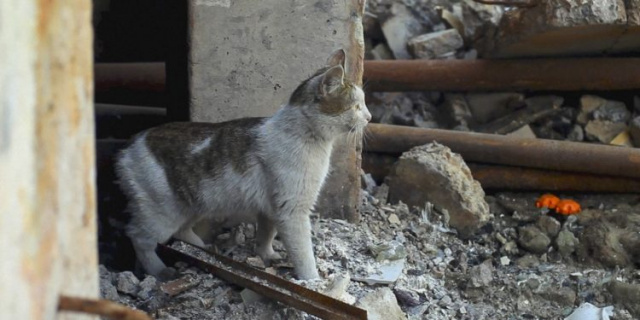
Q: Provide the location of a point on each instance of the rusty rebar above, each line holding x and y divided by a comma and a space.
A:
488, 75
100, 307
269, 285
506, 150
496, 177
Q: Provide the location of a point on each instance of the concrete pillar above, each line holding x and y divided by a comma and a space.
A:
247, 57
47, 180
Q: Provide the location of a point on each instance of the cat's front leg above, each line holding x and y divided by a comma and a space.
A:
295, 231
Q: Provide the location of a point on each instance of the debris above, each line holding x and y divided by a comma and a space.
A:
381, 305
563, 296
481, 275
436, 45
587, 311
533, 240
536, 108
505, 261
433, 173
381, 52
399, 28
523, 133
603, 130
387, 273
255, 262
128, 283
147, 287
576, 133
368, 184
406, 297
566, 242
180, 285
614, 111
486, 107
393, 219
623, 139
393, 250
250, 296
550, 226
626, 294
457, 110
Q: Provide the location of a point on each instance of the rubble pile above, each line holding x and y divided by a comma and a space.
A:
407, 263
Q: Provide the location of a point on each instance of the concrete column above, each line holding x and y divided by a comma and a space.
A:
47, 179
247, 57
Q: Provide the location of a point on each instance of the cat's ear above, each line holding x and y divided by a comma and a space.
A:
332, 80
337, 58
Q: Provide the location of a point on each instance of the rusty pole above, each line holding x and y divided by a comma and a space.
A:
496, 177
505, 150
487, 75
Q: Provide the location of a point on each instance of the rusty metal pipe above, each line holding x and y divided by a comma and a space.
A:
505, 150
489, 75
133, 76
495, 177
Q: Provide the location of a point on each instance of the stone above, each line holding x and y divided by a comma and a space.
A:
382, 193
432, 173
486, 107
589, 104
249, 296
127, 283
481, 275
603, 130
148, 287
406, 297
387, 272
108, 291
576, 133
393, 250
527, 261
600, 242
626, 294
393, 219
634, 131
563, 296
623, 140
399, 28
367, 183
337, 288
549, 225
255, 262
381, 305
456, 109
475, 17
381, 52
614, 111
505, 261
435, 45
533, 240
566, 242
523, 133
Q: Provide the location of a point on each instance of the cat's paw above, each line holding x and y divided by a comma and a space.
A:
268, 255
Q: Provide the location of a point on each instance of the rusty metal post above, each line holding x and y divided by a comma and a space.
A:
505, 150
486, 75
496, 177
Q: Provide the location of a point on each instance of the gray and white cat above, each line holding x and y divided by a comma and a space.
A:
264, 170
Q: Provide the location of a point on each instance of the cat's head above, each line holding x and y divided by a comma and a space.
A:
331, 100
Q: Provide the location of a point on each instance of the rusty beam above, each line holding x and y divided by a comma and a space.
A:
505, 150
266, 284
105, 308
135, 83
490, 75
495, 177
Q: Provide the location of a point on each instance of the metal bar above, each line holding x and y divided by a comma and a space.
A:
494, 177
100, 307
487, 75
268, 285
133, 76
505, 150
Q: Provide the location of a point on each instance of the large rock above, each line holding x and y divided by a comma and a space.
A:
435, 174
436, 45
564, 26
486, 107
603, 130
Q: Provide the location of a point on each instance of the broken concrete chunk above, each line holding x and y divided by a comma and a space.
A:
576, 133
563, 296
432, 173
481, 275
457, 109
392, 250
589, 104
147, 287
108, 291
604, 131
566, 242
614, 111
381, 305
393, 219
387, 273
250, 296
406, 297
399, 28
562, 25
523, 133
382, 52
180, 285
533, 240
626, 294
476, 16
550, 226
486, 107
436, 44
337, 289
367, 182
128, 283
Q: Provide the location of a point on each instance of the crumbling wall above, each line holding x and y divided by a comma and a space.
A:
47, 193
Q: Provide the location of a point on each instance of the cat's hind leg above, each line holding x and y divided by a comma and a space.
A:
187, 235
264, 239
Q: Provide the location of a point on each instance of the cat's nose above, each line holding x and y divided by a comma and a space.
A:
368, 116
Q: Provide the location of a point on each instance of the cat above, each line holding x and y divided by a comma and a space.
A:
264, 170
